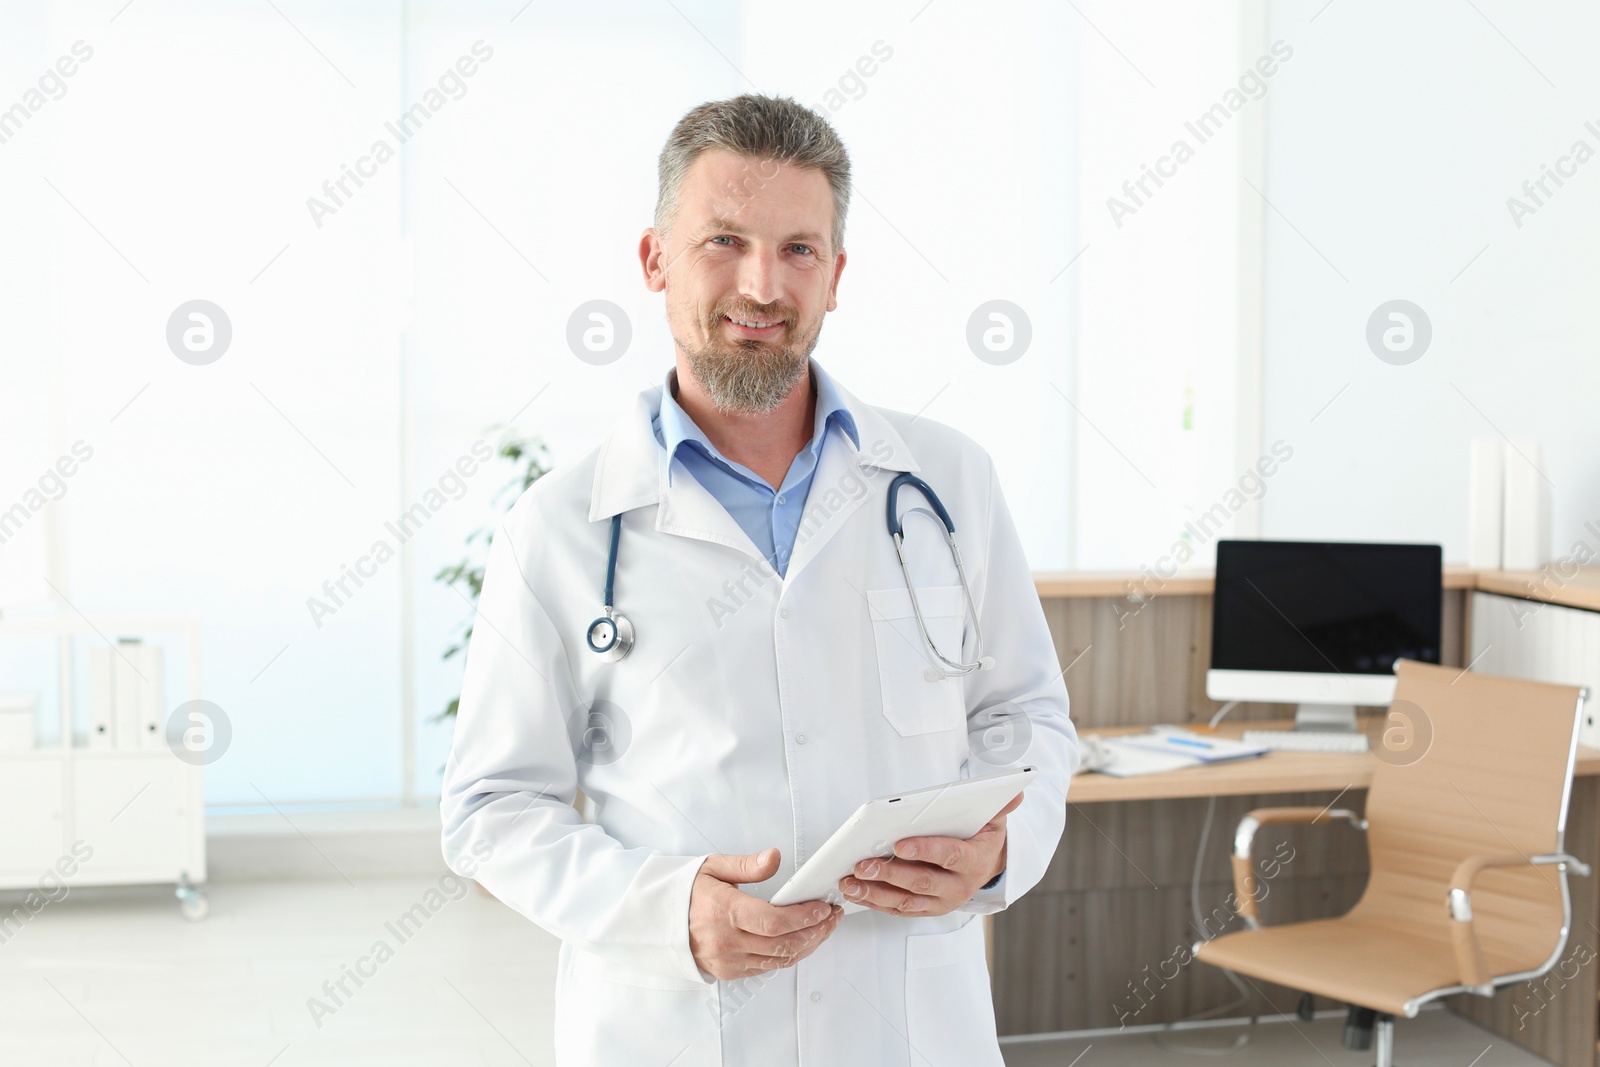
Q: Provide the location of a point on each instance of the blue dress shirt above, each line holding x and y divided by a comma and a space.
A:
770, 516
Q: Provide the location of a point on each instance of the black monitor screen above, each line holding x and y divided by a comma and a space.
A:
1325, 607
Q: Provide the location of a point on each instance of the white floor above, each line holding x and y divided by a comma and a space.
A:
117, 977
1433, 1039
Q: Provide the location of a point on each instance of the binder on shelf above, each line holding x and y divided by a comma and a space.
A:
102, 697
1485, 504
139, 691
127, 692
1524, 542
151, 699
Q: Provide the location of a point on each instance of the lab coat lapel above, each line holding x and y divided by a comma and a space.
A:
631, 472
689, 510
627, 472
846, 478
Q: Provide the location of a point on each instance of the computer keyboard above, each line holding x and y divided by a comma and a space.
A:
1307, 740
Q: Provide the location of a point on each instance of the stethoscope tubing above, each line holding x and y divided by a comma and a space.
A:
896, 532
616, 632
611, 561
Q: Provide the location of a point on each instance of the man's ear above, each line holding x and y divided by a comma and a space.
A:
652, 258
833, 285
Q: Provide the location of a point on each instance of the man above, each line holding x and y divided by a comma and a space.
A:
778, 676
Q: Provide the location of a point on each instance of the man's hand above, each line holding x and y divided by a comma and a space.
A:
734, 935
931, 875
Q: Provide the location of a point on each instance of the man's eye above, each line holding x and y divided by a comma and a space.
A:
723, 237
804, 250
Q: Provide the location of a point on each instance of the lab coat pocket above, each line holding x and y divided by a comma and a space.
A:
949, 1008
612, 1015
916, 698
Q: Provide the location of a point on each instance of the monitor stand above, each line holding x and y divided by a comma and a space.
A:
1326, 718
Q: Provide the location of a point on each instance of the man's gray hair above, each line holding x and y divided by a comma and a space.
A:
768, 129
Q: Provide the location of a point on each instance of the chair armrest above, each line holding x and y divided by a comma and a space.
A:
1469, 954
1244, 876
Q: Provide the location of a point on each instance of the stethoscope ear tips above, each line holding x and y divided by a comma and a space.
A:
986, 663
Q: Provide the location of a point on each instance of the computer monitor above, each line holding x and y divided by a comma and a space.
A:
1321, 624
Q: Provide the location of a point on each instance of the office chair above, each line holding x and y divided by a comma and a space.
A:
1468, 885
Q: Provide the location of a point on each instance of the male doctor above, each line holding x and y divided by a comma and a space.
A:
777, 678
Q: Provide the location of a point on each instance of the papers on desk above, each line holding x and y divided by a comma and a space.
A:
1136, 754
1204, 749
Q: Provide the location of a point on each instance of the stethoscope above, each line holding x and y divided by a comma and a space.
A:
611, 635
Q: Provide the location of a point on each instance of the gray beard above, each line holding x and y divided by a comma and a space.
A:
749, 377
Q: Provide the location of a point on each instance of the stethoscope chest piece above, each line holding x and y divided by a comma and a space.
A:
610, 636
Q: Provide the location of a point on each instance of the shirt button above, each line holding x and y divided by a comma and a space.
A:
780, 498
816, 997
783, 612
800, 738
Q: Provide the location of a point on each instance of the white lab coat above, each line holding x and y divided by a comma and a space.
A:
753, 711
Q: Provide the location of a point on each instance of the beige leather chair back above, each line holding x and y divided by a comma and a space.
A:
1488, 774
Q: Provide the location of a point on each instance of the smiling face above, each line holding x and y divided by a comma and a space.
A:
749, 270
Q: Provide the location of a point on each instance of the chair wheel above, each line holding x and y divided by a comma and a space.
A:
1358, 1029
193, 903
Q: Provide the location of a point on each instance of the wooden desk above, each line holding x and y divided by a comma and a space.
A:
1577, 587
1276, 772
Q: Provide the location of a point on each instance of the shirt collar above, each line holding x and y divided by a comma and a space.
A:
674, 428
630, 464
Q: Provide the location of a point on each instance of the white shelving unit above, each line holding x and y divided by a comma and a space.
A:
140, 811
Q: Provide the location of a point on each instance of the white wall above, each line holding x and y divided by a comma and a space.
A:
1393, 144
369, 352
374, 350
1158, 280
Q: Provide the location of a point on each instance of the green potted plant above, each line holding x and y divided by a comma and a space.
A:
531, 460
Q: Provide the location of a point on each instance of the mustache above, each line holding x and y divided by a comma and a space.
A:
754, 313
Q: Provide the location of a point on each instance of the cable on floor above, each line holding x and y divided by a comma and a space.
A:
1243, 1039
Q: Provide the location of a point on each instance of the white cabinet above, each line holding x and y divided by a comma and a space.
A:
128, 817
134, 812
32, 803
1522, 638
113, 816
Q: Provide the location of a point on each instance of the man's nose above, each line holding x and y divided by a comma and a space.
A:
758, 276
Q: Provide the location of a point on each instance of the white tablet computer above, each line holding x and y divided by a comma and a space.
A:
956, 809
